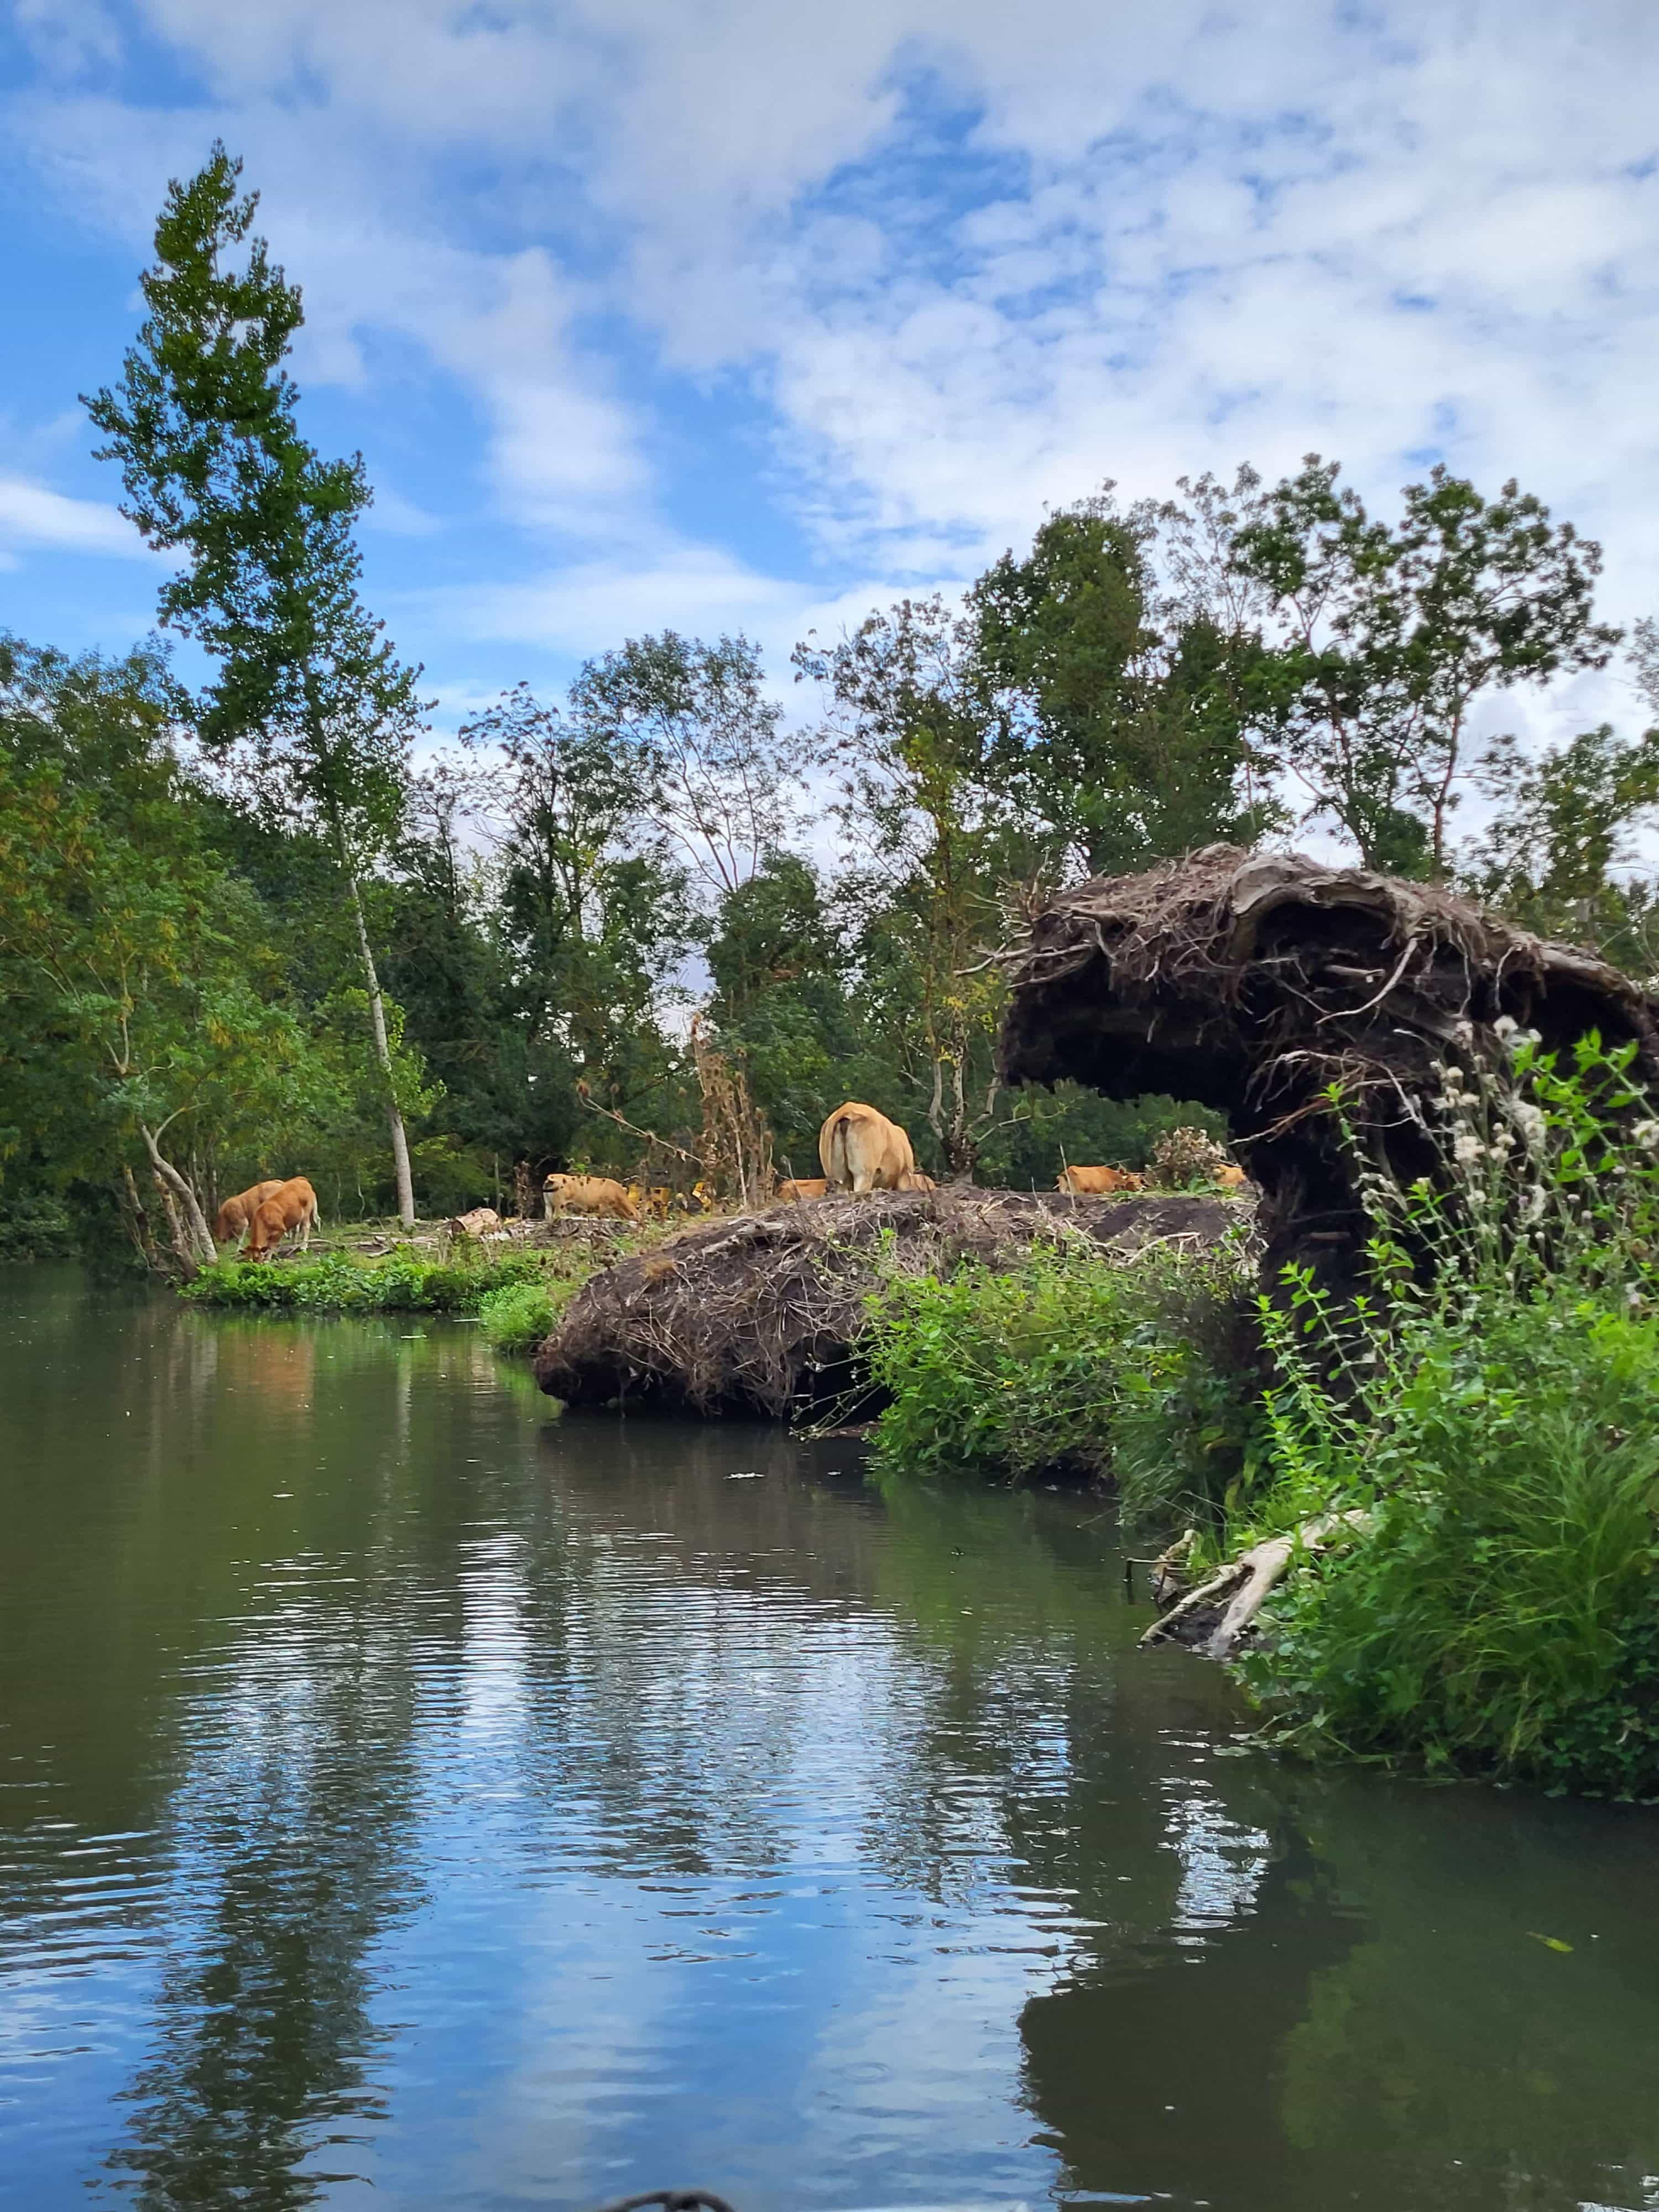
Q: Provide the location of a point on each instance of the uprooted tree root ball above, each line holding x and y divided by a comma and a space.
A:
1251, 984
764, 1312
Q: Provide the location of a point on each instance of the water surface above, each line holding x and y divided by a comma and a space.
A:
407, 1799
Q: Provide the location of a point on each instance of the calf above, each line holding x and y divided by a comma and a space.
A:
799, 1190
601, 1195
233, 1220
1094, 1182
291, 1207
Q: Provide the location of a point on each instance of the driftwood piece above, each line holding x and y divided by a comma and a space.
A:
474, 1224
1249, 982
1168, 1579
1241, 1587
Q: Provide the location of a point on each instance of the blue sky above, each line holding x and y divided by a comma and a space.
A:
738, 314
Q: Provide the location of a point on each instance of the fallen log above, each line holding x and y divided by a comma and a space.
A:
1237, 1594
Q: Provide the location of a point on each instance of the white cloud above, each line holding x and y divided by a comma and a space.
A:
32, 515
963, 259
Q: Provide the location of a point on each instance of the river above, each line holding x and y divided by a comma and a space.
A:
409, 1798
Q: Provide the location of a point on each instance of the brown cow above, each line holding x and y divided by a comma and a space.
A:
231, 1221
292, 1205
1094, 1182
916, 1180
862, 1150
799, 1190
1230, 1178
591, 1194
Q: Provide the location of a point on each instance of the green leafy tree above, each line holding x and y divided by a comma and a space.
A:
1121, 722
204, 424
907, 728
592, 931
1385, 639
142, 1003
778, 1003
690, 733
1563, 831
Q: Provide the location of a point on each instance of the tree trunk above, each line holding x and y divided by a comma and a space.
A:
138, 1223
189, 1265
382, 1049
200, 1236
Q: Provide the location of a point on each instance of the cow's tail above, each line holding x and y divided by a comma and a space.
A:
837, 1167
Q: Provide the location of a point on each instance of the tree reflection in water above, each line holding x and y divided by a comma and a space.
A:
503, 1811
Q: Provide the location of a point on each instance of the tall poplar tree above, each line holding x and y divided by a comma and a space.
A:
204, 426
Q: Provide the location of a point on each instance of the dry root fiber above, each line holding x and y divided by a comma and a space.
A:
1251, 982
763, 1312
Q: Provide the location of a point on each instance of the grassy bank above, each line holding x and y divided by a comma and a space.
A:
515, 1296
1491, 1408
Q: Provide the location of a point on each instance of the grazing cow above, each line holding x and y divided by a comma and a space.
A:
862, 1150
233, 1218
291, 1206
1230, 1178
799, 1190
591, 1194
916, 1180
1094, 1182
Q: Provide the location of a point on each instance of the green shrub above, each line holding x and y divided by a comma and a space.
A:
1493, 1403
334, 1284
1502, 1615
518, 1316
1060, 1364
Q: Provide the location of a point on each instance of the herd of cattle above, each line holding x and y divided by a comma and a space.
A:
859, 1150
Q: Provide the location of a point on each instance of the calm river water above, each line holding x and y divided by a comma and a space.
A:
410, 1799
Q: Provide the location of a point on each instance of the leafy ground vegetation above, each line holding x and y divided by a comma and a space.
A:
515, 1296
1491, 1406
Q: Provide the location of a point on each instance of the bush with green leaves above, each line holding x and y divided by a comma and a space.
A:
335, 1284
1493, 1403
1069, 1362
517, 1317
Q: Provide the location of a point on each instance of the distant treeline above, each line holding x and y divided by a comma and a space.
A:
269, 927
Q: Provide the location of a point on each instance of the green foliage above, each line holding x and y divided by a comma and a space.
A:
1062, 1364
1494, 1405
517, 1317
1381, 639
335, 1284
35, 1225
1120, 732
1556, 856
1071, 1125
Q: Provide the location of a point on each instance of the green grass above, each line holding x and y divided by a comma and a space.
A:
1502, 1616
335, 1284
1493, 1403
516, 1317
1069, 1363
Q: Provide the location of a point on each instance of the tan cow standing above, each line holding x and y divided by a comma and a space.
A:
801, 1190
291, 1206
862, 1150
601, 1195
1094, 1182
231, 1222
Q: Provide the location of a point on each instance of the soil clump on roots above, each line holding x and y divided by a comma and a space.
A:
763, 1312
1250, 983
